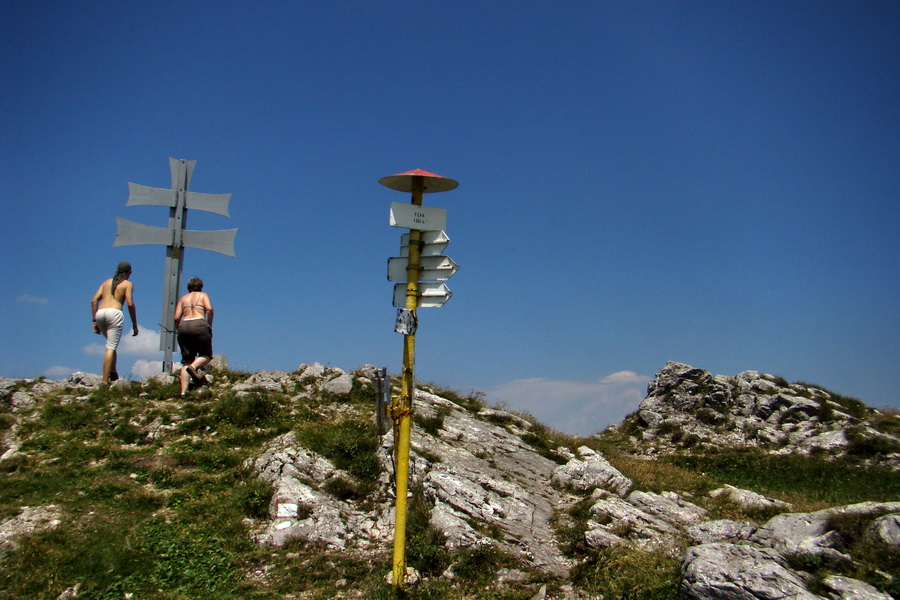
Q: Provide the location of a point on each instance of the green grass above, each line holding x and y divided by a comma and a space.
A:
629, 574
833, 482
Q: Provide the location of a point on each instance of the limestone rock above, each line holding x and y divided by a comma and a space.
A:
163, 378
85, 379
267, 381
589, 472
300, 508
219, 361
668, 506
457, 532
722, 530
313, 371
621, 518
810, 534
342, 384
284, 459
21, 401
845, 588
724, 571
748, 499
885, 532
6, 387
45, 387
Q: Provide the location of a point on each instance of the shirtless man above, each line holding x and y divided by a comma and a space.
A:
106, 310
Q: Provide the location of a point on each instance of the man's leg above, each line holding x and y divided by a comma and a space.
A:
109, 364
113, 371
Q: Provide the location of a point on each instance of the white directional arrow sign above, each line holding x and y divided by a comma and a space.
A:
423, 218
432, 243
431, 295
431, 268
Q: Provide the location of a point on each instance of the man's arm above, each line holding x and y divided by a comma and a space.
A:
131, 309
95, 303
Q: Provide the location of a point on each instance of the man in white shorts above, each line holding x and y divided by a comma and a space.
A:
106, 310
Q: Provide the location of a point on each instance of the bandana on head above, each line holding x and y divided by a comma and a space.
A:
121, 273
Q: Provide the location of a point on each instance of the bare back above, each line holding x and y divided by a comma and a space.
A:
109, 299
194, 305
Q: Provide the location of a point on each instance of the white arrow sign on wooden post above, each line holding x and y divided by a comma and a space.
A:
431, 268
431, 295
175, 237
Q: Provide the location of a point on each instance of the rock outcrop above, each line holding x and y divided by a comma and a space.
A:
689, 407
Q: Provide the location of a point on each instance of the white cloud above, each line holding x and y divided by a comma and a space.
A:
575, 407
32, 299
145, 344
142, 369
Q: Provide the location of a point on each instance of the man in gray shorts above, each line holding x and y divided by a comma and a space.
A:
106, 310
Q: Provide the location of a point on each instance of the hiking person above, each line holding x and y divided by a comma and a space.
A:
193, 323
106, 312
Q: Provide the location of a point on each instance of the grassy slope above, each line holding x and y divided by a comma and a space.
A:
165, 515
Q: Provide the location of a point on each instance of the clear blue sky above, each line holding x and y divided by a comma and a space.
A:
716, 183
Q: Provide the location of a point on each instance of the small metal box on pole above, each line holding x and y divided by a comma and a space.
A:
425, 226
175, 237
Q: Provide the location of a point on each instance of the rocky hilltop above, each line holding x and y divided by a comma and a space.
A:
565, 513
689, 407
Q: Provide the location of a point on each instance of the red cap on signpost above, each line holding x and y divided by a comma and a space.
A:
403, 182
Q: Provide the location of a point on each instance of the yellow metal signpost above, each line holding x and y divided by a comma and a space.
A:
417, 220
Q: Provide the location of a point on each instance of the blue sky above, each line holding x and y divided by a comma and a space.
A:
709, 182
